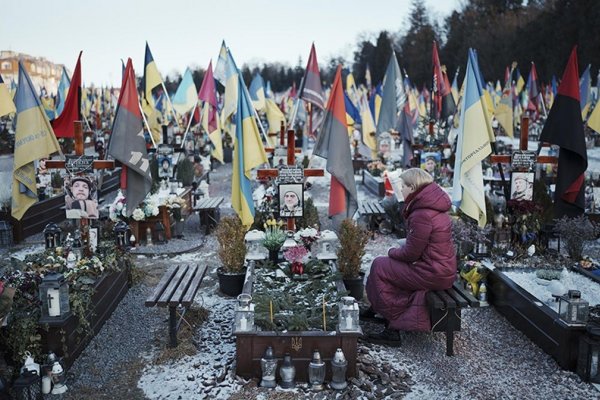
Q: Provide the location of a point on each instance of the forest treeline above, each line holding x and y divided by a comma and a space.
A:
502, 31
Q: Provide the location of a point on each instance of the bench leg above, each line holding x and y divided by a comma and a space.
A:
173, 326
449, 342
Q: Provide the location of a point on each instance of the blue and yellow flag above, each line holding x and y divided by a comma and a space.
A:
473, 146
249, 153
152, 84
63, 89
7, 105
186, 96
34, 139
257, 92
585, 88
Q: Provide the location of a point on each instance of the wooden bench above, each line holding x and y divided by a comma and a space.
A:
177, 288
445, 311
373, 211
208, 210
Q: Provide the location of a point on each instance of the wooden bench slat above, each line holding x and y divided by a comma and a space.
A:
164, 299
450, 303
188, 298
457, 297
183, 285
162, 284
435, 300
473, 302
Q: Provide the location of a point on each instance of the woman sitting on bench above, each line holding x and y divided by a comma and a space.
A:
398, 283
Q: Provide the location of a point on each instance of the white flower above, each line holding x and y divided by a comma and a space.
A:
119, 206
138, 215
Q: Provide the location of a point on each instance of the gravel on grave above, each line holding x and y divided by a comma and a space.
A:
492, 359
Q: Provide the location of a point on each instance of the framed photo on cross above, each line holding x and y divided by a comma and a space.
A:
291, 200
521, 186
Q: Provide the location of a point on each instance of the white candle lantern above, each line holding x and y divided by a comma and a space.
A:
348, 315
572, 309
254, 247
244, 314
289, 241
326, 246
54, 297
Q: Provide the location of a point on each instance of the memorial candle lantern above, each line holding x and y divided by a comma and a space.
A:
339, 364
348, 315
122, 233
255, 250
588, 358
316, 371
268, 366
326, 246
244, 314
572, 309
54, 297
52, 235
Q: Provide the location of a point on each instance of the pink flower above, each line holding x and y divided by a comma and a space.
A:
296, 254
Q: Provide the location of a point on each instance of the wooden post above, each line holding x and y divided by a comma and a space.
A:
98, 164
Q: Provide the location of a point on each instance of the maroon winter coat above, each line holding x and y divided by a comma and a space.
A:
397, 284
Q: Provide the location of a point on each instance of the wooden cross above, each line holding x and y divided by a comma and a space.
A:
281, 140
98, 164
291, 160
523, 146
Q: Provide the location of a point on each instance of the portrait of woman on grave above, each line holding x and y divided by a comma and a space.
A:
399, 281
80, 197
290, 200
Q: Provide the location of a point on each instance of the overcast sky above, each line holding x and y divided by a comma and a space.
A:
184, 33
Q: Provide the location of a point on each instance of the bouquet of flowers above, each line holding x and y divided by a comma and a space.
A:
307, 236
297, 256
118, 208
175, 204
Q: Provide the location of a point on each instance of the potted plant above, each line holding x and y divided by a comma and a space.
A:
185, 171
353, 240
57, 182
274, 238
232, 252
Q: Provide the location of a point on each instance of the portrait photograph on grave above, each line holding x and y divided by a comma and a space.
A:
81, 197
291, 200
431, 162
521, 186
164, 156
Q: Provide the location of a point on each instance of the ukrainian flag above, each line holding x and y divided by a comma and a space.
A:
34, 139
63, 89
473, 146
185, 97
230, 100
257, 92
249, 153
151, 83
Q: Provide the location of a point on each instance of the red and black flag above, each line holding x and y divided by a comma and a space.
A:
443, 101
128, 145
564, 127
311, 90
533, 91
63, 125
334, 145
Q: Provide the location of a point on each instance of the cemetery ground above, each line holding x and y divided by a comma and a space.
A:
130, 358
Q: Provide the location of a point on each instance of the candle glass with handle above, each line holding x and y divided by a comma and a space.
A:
348, 315
244, 314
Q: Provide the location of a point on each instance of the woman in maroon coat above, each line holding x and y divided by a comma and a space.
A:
398, 283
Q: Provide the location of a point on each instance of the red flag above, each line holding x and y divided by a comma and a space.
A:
334, 145
532, 90
63, 124
128, 144
207, 93
564, 127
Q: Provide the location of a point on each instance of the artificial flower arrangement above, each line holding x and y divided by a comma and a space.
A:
297, 256
176, 204
148, 208
307, 237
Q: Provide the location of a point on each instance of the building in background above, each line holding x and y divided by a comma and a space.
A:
43, 73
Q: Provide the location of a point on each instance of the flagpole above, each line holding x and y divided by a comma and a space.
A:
147, 126
170, 103
190, 122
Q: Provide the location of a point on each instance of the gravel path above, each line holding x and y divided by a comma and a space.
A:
493, 360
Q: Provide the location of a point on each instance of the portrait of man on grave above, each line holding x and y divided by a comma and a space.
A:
81, 199
521, 186
290, 200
